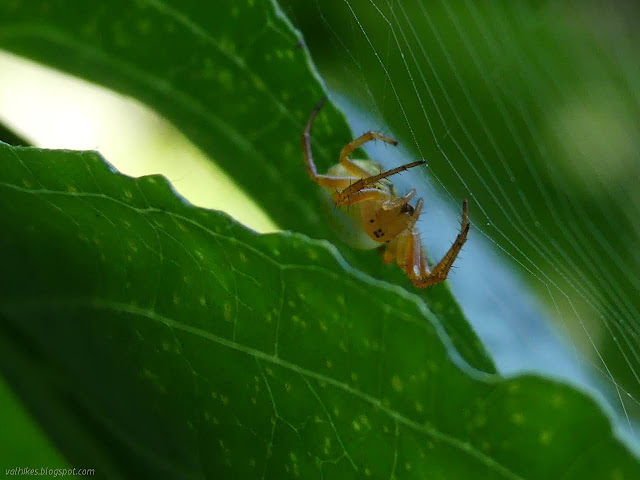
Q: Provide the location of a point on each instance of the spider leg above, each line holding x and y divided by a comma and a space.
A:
335, 182
353, 168
365, 182
401, 251
416, 265
415, 215
348, 184
398, 202
399, 247
360, 196
414, 255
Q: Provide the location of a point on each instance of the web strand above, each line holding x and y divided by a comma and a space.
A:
580, 276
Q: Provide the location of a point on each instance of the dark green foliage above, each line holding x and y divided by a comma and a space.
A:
169, 341
151, 338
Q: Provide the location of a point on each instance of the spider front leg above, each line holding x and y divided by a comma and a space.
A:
353, 168
334, 182
416, 264
342, 197
360, 196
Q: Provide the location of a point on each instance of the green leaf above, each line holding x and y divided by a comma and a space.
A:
169, 341
236, 80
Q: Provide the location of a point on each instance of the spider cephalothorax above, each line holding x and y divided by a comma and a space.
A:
385, 217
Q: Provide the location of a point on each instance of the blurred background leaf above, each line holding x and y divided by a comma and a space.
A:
7, 135
531, 109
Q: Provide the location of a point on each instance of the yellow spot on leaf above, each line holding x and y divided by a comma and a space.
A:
545, 437
397, 384
364, 421
517, 418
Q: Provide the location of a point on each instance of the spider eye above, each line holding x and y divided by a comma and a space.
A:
406, 208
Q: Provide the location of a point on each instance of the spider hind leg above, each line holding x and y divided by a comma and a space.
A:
415, 263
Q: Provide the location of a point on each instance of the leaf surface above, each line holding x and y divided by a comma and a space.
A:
171, 341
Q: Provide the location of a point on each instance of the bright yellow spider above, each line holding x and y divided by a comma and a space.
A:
384, 217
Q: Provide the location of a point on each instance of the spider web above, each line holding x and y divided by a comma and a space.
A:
530, 111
